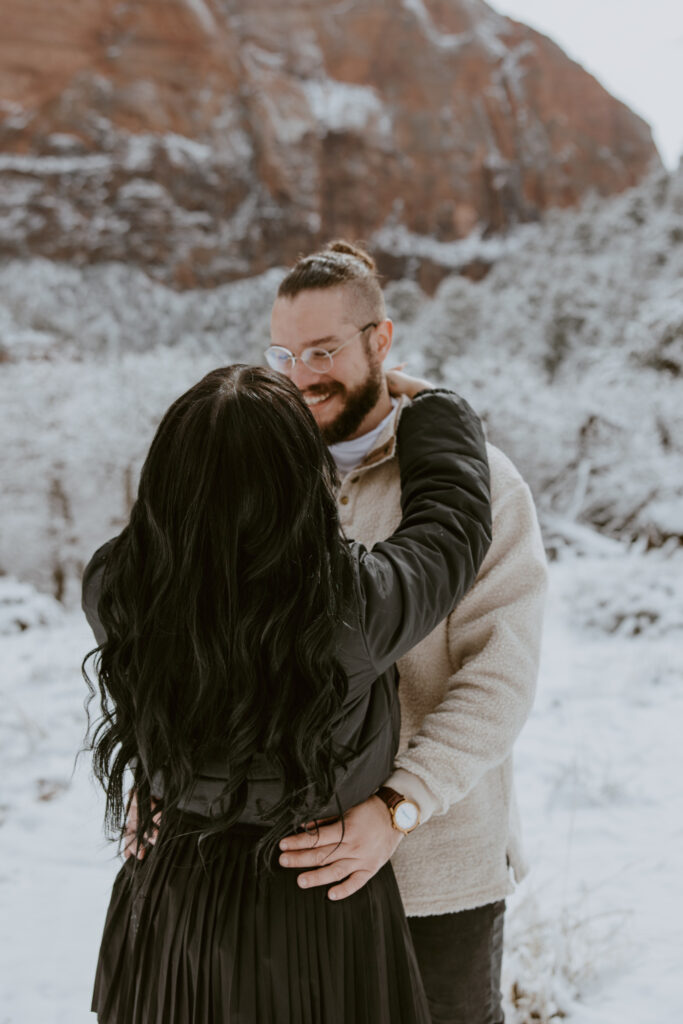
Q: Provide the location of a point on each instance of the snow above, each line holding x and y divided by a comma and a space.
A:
596, 931
317, 104
272, 60
139, 152
86, 164
65, 141
182, 150
143, 189
444, 40
593, 934
399, 240
287, 113
511, 72
136, 154
487, 27
343, 106
203, 14
488, 31
22, 607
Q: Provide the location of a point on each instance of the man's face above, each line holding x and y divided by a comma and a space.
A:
342, 398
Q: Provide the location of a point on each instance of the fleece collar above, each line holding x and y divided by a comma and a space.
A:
385, 446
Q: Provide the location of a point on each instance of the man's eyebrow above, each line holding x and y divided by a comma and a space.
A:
321, 341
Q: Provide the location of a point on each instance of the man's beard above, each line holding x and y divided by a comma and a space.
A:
358, 404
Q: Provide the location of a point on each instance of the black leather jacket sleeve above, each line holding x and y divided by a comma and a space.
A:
411, 581
91, 589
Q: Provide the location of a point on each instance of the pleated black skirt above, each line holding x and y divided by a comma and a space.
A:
195, 934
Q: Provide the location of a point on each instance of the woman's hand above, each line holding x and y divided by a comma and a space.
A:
400, 383
130, 838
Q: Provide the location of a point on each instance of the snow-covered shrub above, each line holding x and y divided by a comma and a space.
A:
111, 309
555, 956
23, 607
404, 299
574, 353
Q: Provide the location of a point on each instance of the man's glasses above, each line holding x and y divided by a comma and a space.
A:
317, 359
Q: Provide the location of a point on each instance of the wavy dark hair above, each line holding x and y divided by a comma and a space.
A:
221, 600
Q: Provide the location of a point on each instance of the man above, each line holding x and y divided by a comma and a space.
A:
447, 816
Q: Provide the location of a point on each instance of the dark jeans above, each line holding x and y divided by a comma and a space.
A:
460, 957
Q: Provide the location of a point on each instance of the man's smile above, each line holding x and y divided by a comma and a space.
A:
321, 394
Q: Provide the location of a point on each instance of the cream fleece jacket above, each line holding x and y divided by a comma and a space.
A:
465, 693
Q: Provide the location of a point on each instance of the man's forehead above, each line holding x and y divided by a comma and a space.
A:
312, 317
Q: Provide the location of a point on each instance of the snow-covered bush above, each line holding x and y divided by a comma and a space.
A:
555, 956
572, 348
404, 299
111, 309
22, 607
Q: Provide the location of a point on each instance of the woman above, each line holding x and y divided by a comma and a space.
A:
246, 676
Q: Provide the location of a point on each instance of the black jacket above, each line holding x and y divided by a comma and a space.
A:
404, 586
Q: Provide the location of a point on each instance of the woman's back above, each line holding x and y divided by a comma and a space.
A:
294, 746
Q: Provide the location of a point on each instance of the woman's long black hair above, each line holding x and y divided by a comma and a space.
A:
221, 601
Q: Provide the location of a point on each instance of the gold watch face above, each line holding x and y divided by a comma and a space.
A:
406, 815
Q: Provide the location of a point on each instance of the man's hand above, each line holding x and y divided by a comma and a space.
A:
369, 842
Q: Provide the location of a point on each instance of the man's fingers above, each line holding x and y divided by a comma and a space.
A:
309, 858
352, 884
326, 875
327, 835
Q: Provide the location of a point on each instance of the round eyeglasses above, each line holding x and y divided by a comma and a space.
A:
319, 360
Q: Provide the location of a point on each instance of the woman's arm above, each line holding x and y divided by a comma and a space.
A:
414, 579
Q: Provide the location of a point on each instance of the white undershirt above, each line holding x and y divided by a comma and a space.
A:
348, 454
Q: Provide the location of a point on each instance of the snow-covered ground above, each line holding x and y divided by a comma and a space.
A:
594, 933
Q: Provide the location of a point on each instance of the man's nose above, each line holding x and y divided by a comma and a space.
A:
302, 376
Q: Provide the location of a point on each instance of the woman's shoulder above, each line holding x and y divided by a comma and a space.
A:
93, 571
92, 587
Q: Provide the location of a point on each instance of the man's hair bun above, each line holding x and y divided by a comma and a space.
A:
338, 263
339, 245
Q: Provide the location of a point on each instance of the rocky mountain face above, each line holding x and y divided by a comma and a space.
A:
206, 140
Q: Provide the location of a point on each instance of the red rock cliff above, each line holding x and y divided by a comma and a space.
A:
208, 139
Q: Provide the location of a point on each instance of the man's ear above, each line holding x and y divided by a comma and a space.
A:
383, 338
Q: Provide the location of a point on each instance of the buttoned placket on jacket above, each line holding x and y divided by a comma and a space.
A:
348, 492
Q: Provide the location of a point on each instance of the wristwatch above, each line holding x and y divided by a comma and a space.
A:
405, 815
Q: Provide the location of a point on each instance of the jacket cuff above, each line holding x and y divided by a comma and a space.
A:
413, 789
